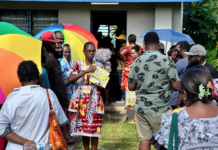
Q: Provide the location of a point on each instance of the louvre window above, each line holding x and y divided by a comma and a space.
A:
30, 21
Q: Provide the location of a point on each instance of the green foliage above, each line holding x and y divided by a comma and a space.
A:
202, 26
212, 56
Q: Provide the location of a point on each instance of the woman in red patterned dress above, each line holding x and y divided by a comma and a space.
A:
86, 104
126, 56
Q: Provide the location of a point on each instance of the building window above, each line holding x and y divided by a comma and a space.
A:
108, 30
30, 21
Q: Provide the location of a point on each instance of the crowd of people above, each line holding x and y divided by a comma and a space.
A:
151, 82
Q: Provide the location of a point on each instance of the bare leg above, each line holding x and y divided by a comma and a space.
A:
86, 141
144, 145
94, 143
106, 95
133, 120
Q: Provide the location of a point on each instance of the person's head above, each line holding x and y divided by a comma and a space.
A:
192, 83
107, 41
48, 41
59, 35
132, 39
196, 55
48, 46
169, 53
172, 50
102, 44
28, 73
89, 50
58, 53
66, 51
151, 41
135, 52
181, 47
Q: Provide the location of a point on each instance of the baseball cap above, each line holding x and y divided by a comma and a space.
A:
196, 50
121, 37
49, 36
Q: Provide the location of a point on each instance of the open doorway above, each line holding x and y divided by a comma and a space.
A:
112, 24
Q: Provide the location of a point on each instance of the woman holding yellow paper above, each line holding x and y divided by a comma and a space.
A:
86, 103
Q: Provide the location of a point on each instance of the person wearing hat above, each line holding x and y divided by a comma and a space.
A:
53, 67
196, 56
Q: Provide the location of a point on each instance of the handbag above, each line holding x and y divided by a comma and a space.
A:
56, 137
174, 136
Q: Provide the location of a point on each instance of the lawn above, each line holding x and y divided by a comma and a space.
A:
115, 136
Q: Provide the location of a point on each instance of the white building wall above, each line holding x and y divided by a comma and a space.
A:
140, 16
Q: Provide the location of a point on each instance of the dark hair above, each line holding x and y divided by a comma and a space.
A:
102, 43
169, 53
86, 44
173, 47
27, 71
58, 32
47, 45
132, 38
136, 48
66, 45
184, 45
151, 38
191, 81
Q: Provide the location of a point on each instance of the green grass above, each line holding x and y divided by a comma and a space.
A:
115, 136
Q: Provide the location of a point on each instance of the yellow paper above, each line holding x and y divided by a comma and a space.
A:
100, 76
100, 73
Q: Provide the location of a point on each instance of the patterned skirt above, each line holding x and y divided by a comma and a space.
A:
85, 121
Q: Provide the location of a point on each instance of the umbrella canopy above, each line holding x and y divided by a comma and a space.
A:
75, 36
170, 36
15, 47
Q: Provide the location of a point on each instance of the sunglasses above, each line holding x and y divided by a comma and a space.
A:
179, 50
191, 56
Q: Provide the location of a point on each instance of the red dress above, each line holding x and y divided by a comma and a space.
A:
129, 59
87, 108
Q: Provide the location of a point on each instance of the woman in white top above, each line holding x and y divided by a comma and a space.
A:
24, 117
198, 123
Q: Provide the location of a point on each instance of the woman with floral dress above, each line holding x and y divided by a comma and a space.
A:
66, 64
86, 103
126, 56
198, 122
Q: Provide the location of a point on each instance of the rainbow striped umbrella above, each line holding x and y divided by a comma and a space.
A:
75, 36
15, 47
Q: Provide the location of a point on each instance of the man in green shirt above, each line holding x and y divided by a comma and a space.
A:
152, 76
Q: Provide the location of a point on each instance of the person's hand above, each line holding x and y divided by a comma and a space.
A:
28, 142
99, 85
91, 69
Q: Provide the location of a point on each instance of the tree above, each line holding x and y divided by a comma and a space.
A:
202, 22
